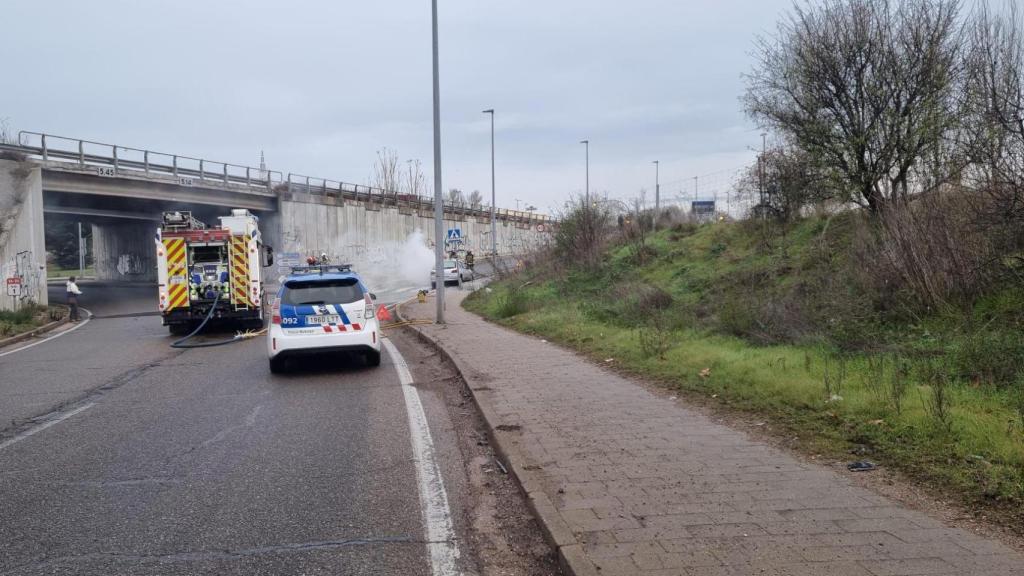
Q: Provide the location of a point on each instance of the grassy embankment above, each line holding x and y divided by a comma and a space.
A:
27, 318
782, 332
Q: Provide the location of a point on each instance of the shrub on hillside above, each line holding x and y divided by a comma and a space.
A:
989, 356
583, 234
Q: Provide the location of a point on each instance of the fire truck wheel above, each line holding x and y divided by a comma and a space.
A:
179, 329
255, 324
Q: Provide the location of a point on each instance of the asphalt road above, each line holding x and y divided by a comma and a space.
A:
160, 461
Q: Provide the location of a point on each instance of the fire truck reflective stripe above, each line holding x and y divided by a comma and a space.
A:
176, 254
177, 290
240, 271
177, 296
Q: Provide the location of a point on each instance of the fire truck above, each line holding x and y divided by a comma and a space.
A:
220, 267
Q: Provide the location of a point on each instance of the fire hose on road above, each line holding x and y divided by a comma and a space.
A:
237, 338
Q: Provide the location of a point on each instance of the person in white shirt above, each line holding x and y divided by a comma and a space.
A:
73, 294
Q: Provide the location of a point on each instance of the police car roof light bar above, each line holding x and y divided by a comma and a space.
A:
320, 268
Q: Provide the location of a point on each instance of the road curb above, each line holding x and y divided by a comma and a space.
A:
32, 333
571, 556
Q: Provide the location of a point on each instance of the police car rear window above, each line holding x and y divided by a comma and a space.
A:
335, 291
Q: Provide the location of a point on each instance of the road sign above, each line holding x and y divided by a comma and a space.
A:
540, 227
454, 234
14, 286
287, 260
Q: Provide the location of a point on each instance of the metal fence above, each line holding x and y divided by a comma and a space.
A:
323, 187
116, 160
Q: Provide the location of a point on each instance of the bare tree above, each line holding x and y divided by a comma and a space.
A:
791, 181
455, 197
865, 86
476, 199
995, 96
6, 132
386, 171
415, 182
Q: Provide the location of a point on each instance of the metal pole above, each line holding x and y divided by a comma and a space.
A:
586, 196
438, 200
494, 219
760, 166
81, 253
657, 192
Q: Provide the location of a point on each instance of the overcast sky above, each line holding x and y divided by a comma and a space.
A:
321, 86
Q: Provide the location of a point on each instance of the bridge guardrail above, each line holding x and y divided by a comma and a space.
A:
113, 160
125, 159
325, 187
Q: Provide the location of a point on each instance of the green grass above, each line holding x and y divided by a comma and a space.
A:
54, 271
25, 319
976, 456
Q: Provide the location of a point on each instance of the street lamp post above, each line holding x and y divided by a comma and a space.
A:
657, 191
494, 219
439, 236
586, 195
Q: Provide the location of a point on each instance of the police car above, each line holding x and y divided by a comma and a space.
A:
322, 309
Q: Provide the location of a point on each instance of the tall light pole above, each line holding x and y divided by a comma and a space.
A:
494, 218
587, 189
657, 191
81, 252
760, 170
439, 235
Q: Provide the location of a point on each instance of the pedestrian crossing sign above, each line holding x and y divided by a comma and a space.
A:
454, 234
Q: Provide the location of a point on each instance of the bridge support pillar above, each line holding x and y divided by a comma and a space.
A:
22, 242
125, 252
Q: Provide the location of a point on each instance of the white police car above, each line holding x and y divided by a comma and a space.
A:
322, 309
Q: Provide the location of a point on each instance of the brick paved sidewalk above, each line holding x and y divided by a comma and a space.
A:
626, 482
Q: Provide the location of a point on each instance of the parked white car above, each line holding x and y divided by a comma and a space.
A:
454, 273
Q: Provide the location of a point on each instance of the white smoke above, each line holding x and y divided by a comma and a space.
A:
415, 260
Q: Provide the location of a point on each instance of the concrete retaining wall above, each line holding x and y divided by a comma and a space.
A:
368, 235
125, 252
22, 239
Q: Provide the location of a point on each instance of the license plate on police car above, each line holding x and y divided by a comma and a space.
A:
325, 319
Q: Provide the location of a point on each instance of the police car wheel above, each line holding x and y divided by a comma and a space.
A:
372, 358
277, 365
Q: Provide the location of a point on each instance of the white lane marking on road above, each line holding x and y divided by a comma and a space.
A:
69, 331
45, 425
437, 516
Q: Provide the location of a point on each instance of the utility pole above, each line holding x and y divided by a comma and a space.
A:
81, 252
494, 219
657, 192
439, 232
586, 196
760, 176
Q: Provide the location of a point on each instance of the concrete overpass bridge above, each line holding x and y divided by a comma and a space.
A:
121, 191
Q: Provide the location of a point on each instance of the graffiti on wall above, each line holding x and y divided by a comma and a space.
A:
130, 264
23, 266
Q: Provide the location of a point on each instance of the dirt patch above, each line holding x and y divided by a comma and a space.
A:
508, 427
503, 536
